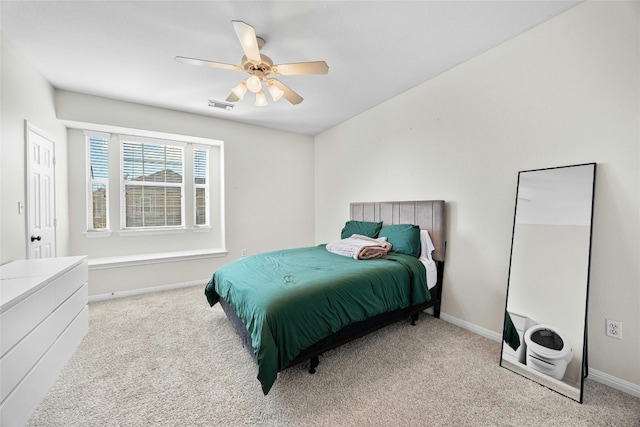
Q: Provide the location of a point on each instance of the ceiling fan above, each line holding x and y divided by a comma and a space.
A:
260, 67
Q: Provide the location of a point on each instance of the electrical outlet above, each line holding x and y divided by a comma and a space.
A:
614, 329
244, 252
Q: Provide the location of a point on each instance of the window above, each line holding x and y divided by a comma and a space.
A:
159, 184
153, 186
201, 184
97, 181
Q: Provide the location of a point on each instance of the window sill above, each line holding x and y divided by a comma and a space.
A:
157, 258
151, 231
97, 234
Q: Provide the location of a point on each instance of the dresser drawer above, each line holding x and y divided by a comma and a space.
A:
19, 360
18, 406
43, 317
71, 282
23, 317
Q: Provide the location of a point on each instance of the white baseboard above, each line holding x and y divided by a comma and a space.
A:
141, 291
601, 377
493, 336
614, 382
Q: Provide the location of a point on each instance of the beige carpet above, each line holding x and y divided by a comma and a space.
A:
167, 359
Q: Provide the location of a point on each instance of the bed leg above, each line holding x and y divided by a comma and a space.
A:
314, 362
436, 311
414, 318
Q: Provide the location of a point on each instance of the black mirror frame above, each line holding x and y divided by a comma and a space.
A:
585, 365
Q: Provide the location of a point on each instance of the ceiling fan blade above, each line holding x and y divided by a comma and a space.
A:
289, 94
298, 68
248, 40
232, 97
205, 63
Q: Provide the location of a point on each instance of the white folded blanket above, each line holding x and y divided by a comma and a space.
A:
360, 247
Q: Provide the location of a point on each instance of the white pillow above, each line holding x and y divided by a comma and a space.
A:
426, 247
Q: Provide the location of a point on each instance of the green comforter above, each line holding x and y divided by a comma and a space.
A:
292, 298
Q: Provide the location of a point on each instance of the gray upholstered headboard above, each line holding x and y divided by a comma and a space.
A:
427, 214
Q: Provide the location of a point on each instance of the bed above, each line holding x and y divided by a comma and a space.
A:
290, 306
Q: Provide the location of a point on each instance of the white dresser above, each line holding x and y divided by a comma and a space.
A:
43, 318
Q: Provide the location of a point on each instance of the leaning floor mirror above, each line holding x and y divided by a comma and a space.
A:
545, 323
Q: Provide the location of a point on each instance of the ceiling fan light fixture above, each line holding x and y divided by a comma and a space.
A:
275, 91
261, 99
260, 67
254, 84
240, 90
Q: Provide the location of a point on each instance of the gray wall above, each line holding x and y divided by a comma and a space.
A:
565, 92
268, 182
26, 96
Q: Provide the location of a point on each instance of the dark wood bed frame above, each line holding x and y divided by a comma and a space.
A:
429, 215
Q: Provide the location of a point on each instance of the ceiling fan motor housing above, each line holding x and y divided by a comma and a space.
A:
259, 69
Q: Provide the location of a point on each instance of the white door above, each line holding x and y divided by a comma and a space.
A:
41, 196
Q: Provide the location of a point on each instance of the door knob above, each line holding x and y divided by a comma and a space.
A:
34, 238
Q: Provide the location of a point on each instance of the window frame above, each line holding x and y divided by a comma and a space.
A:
124, 183
205, 186
91, 181
215, 192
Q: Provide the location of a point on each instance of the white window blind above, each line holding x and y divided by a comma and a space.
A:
152, 184
201, 184
98, 181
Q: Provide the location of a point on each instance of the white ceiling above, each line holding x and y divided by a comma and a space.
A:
375, 50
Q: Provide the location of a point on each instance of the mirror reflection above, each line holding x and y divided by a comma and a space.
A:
546, 309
